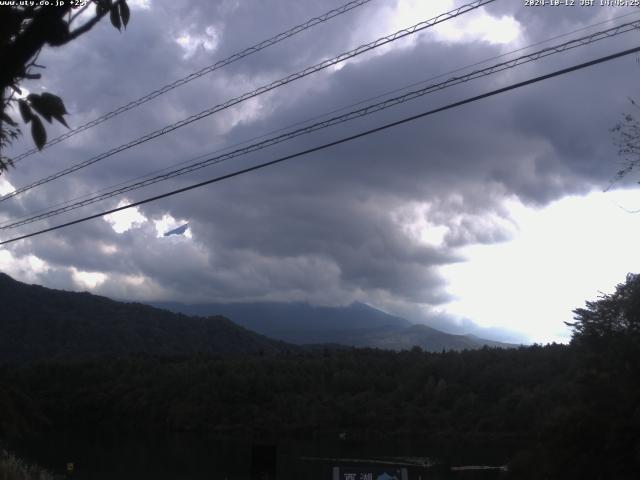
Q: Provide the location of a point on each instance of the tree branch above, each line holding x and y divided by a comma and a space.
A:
89, 25
78, 13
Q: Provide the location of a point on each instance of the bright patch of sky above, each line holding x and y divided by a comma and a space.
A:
87, 279
478, 25
141, 4
413, 220
191, 42
108, 249
472, 27
125, 219
246, 112
562, 256
482, 27
26, 268
5, 186
167, 223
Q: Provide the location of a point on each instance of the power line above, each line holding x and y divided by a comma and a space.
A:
278, 83
316, 117
204, 71
33, 215
76, 203
412, 95
336, 142
349, 116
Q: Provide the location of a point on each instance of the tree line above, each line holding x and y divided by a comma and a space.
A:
567, 411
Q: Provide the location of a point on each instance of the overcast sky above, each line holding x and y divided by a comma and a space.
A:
489, 218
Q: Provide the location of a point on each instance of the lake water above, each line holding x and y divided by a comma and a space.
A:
197, 457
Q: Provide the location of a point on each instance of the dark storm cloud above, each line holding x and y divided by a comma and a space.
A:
330, 228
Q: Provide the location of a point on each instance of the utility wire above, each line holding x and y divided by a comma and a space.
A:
351, 115
412, 95
336, 142
323, 115
278, 83
204, 71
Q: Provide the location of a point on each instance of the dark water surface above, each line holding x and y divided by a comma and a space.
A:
198, 457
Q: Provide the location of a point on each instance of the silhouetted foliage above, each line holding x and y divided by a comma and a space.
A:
485, 392
604, 424
13, 468
612, 316
24, 31
563, 411
627, 139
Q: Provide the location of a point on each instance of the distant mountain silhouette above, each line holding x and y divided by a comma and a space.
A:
355, 325
427, 338
293, 322
38, 323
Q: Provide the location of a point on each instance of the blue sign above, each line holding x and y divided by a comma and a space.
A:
369, 473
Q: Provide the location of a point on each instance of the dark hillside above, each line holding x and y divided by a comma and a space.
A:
38, 323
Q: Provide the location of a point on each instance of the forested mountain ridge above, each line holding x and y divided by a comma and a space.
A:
565, 411
38, 323
296, 322
427, 338
357, 325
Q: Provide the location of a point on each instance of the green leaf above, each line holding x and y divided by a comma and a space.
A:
39, 106
102, 6
25, 111
60, 119
115, 18
49, 106
124, 12
38, 132
54, 103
